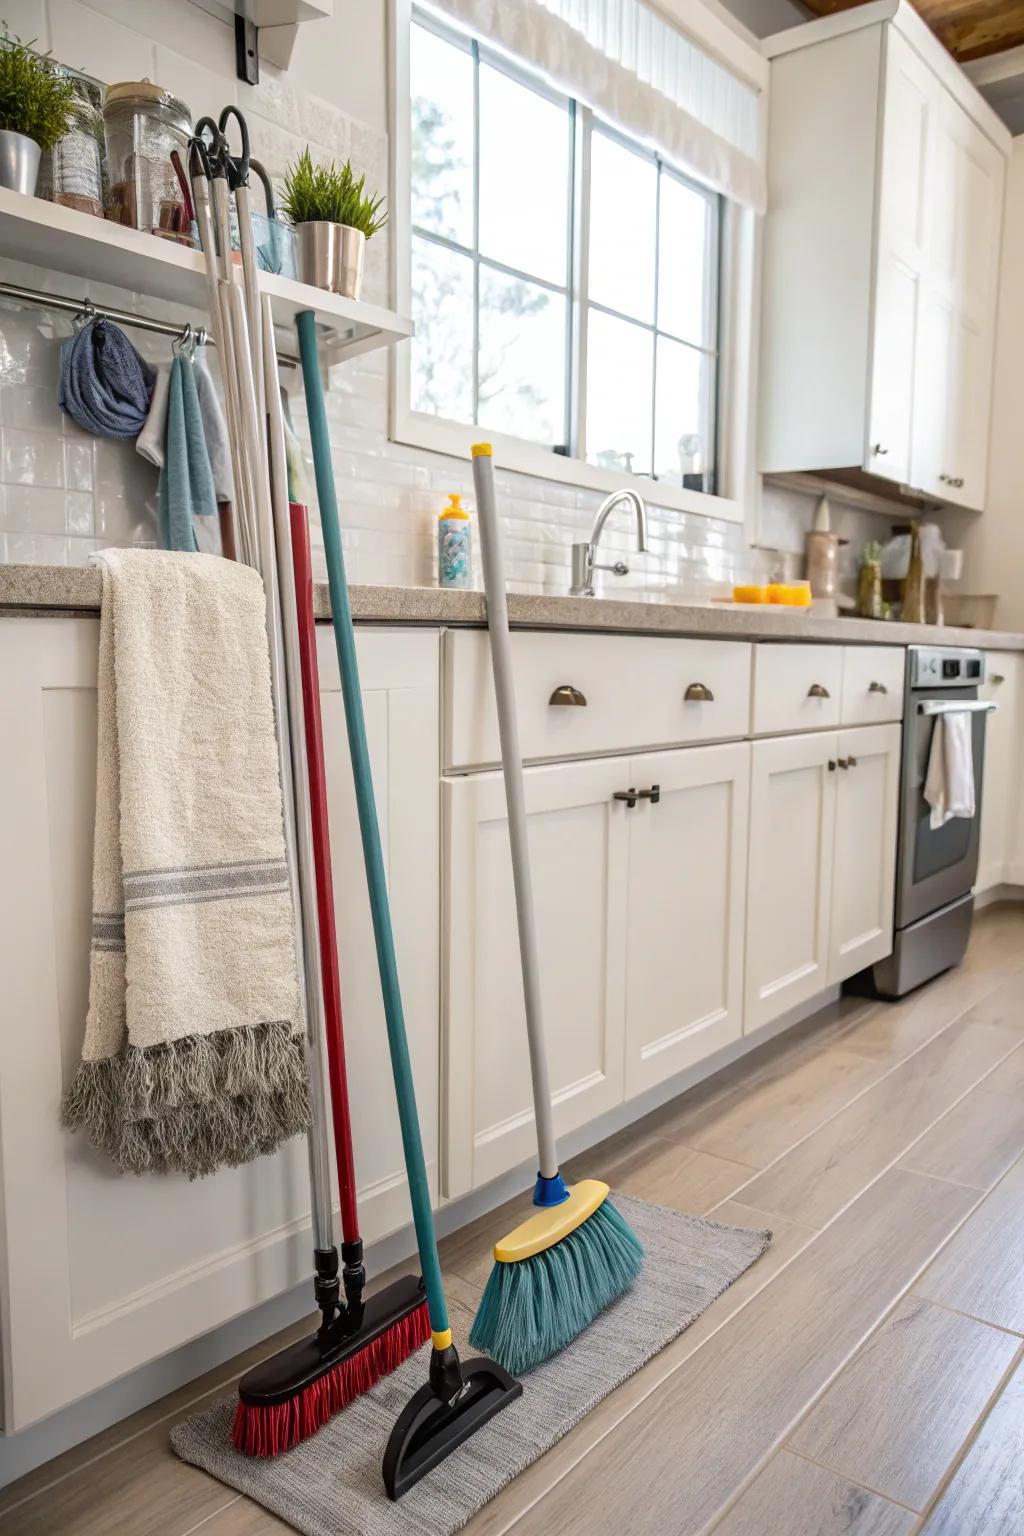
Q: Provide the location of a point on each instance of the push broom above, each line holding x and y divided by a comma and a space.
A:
459, 1397
289, 1397
557, 1271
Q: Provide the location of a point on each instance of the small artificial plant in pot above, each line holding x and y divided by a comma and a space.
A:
35, 106
312, 199
361, 217
333, 218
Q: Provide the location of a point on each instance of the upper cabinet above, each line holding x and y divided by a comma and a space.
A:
881, 251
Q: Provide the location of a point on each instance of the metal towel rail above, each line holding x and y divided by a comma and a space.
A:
40, 299
957, 706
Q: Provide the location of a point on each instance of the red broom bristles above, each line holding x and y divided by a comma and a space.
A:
269, 1431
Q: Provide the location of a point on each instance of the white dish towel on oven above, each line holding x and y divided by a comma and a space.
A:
194, 1054
949, 783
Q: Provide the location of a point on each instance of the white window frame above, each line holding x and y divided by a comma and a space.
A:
739, 241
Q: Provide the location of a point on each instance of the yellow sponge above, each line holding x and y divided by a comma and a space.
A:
552, 1223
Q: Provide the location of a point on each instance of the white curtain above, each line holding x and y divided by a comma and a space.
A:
634, 68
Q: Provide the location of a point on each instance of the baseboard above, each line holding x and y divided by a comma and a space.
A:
1003, 890
21, 1453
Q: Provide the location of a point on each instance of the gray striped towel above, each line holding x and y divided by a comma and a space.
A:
194, 1056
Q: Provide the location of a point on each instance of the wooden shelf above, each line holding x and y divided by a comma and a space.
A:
95, 251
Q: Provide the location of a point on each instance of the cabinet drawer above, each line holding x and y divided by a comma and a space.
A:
797, 688
872, 684
634, 689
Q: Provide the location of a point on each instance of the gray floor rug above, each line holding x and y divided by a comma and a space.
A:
331, 1485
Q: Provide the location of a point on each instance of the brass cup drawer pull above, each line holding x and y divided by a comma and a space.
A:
699, 693
817, 691
877, 688
566, 694
997, 678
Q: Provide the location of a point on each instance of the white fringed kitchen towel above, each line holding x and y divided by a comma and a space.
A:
194, 1056
949, 782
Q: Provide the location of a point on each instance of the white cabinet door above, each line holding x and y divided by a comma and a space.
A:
956, 327
398, 674
101, 1274
1004, 762
933, 394
908, 113
792, 818
577, 833
685, 918
864, 858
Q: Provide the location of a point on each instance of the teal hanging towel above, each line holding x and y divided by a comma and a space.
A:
186, 480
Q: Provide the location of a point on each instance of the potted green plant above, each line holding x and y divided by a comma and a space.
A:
361, 217
35, 106
333, 218
312, 198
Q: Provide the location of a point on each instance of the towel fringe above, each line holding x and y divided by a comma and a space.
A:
195, 1104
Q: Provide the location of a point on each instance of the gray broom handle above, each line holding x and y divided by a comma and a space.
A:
512, 769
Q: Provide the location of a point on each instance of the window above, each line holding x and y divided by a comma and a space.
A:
564, 279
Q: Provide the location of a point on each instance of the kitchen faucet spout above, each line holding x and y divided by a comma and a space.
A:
584, 556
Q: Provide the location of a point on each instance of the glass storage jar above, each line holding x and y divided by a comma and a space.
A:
143, 124
71, 173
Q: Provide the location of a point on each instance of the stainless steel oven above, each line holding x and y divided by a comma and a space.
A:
935, 867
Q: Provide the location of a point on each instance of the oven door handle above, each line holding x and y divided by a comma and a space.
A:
957, 706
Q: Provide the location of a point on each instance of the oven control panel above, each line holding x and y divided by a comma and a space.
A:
934, 666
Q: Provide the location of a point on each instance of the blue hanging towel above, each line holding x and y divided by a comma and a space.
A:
186, 480
105, 385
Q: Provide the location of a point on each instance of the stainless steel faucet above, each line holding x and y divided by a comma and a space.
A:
584, 562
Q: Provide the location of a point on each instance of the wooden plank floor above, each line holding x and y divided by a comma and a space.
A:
865, 1377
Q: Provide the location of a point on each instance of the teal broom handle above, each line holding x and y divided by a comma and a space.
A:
373, 857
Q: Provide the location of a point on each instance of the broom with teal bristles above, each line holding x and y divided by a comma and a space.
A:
558, 1270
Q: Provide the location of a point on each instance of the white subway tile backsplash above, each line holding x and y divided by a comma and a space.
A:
27, 19
88, 40
35, 509
203, 90
32, 458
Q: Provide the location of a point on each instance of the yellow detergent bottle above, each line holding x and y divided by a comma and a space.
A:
454, 544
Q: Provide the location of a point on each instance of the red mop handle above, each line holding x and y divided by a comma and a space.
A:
337, 1074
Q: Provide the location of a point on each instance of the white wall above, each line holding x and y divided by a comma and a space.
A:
64, 494
994, 542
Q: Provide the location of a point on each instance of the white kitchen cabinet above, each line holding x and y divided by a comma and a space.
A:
640, 914
792, 820
886, 172
577, 834
1001, 828
867, 781
685, 910
823, 813
99, 1273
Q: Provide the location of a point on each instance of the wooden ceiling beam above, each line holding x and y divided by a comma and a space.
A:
970, 29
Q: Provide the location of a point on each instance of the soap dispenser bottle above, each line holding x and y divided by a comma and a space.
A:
454, 545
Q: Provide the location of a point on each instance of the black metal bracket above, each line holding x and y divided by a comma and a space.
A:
247, 51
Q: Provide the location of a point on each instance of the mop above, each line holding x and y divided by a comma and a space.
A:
558, 1270
458, 1397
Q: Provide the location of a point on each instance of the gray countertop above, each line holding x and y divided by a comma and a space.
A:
41, 590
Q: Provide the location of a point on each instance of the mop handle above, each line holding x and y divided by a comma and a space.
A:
373, 857
512, 770
329, 970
